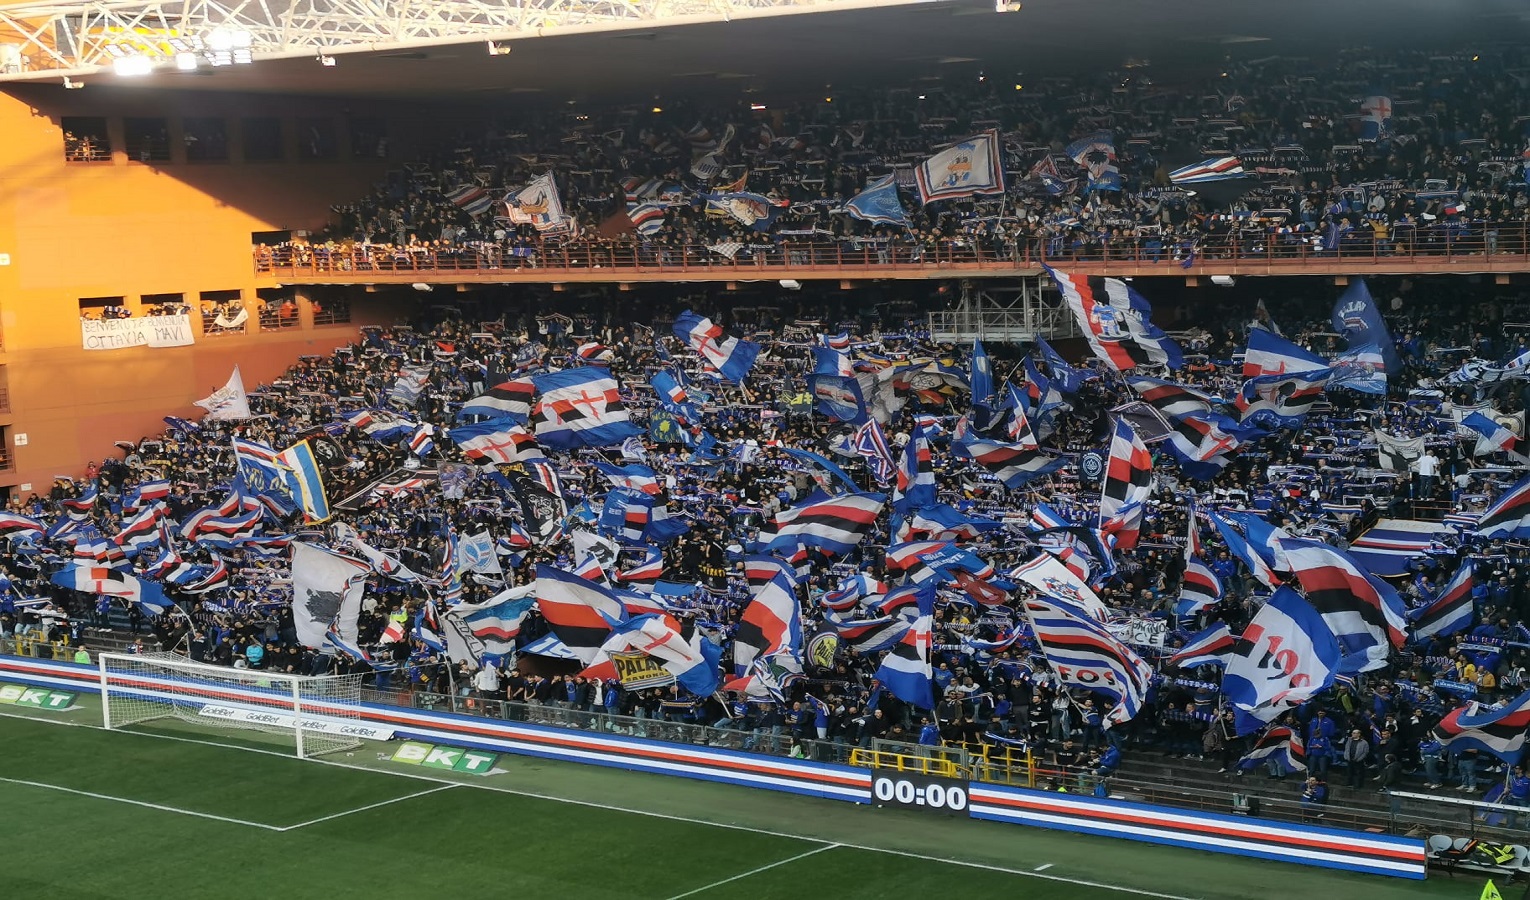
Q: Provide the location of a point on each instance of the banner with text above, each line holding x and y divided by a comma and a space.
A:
147, 331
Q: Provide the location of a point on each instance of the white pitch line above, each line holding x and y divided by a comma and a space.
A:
756, 871
160, 807
490, 786
434, 790
1042, 868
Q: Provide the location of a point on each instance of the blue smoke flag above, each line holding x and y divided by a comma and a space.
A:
1357, 317
878, 204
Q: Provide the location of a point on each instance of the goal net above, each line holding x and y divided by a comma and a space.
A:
315, 715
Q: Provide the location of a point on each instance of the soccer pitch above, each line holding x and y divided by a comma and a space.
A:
174, 811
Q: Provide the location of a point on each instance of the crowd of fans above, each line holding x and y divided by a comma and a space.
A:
1321, 480
1370, 151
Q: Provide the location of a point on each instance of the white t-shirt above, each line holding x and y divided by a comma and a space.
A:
1428, 465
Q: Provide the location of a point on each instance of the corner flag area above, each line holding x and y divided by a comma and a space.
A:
185, 813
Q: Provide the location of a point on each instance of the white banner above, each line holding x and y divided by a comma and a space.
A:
148, 331
1140, 632
326, 589
256, 716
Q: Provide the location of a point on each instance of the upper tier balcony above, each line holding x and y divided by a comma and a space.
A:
1503, 250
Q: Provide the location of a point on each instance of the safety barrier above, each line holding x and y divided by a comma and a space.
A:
1332, 848
1245, 836
1440, 248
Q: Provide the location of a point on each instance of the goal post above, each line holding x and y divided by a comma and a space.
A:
314, 715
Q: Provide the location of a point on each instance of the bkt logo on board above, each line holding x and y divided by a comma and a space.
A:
34, 698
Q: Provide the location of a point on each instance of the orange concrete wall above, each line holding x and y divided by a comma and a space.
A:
124, 228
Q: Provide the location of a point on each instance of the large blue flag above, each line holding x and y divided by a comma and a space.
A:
878, 203
1357, 317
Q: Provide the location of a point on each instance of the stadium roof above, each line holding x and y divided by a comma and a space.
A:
902, 40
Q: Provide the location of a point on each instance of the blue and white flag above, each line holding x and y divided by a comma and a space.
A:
1362, 369
580, 407
971, 167
1271, 354
828, 361
1492, 437
411, 381
839, 398
730, 357
1085, 655
878, 203
871, 442
755, 210
1285, 657
1210, 647
905, 671
1375, 117
672, 396
1357, 317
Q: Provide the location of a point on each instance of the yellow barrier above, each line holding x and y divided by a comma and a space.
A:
37, 648
905, 762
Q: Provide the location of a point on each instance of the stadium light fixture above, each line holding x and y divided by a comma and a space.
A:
71, 85
327, 62
132, 66
756, 106
186, 62
499, 48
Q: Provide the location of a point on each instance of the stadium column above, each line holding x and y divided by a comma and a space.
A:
305, 307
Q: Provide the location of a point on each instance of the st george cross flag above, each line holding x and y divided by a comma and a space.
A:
878, 203
1085, 655
1114, 318
1285, 657
730, 357
1498, 732
326, 589
496, 441
228, 402
580, 408
972, 167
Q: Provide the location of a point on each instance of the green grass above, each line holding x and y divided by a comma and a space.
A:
537, 829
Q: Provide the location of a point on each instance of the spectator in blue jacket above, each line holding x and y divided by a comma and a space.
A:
1429, 755
1518, 793
1314, 797
1319, 755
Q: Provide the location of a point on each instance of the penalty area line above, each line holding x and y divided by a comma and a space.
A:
755, 871
157, 806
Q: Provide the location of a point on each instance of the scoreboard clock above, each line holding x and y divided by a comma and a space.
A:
910, 790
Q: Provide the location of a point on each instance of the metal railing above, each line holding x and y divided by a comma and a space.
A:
1440, 247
